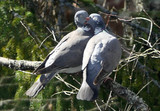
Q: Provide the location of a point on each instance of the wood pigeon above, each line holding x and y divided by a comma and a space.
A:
101, 56
66, 57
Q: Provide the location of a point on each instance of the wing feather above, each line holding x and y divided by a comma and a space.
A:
88, 52
42, 66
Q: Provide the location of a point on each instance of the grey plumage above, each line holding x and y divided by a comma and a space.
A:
101, 56
66, 57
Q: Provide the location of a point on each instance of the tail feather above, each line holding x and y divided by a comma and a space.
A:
88, 91
85, 92
39, 85
35, 89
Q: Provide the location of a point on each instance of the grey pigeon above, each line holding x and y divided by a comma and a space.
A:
66, 57
101, 56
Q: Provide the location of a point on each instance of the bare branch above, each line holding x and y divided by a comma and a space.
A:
115, 15
131, 97
8, 101
115, 87
19, 64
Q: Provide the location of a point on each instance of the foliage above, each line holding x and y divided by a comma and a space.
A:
22, 31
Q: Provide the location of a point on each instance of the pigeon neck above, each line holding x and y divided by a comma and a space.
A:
79, 24
88, 28
98, 30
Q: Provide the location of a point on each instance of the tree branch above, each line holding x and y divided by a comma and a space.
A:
128, 95
19, 64
119, 90
115, 15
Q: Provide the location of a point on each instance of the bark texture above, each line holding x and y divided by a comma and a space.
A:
132, 98
119, 90
19, 64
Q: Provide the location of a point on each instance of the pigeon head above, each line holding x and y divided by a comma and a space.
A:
89, 25
80, 18
99, 23
98, 20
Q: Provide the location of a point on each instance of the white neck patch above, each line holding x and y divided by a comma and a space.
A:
86, 28
97, 30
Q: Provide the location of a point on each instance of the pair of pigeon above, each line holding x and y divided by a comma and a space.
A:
89, 48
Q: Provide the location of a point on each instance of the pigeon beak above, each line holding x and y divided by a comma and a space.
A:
87, 19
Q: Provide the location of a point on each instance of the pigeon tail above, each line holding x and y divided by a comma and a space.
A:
35, 89
86, 93
39, 85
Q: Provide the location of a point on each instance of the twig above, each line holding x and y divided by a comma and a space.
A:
115, 15
121, 91
32, 34
75, 80
146, 71
97, 105
44, 40
101, 106
131, 97
52, 32
6, 85
28, 29
144, 86
151, 19
7, 101
110, 94
65, 92
130, 106
104, 3
26, 72
150, 31
109, 97
139, 65
54, 36
66, 83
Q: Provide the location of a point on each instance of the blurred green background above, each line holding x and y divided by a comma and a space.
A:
25, 34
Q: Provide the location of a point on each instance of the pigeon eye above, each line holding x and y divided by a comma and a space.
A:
80, 16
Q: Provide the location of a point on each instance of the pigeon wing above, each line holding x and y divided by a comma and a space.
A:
42, 66
110, 55
88, 52
91, 67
